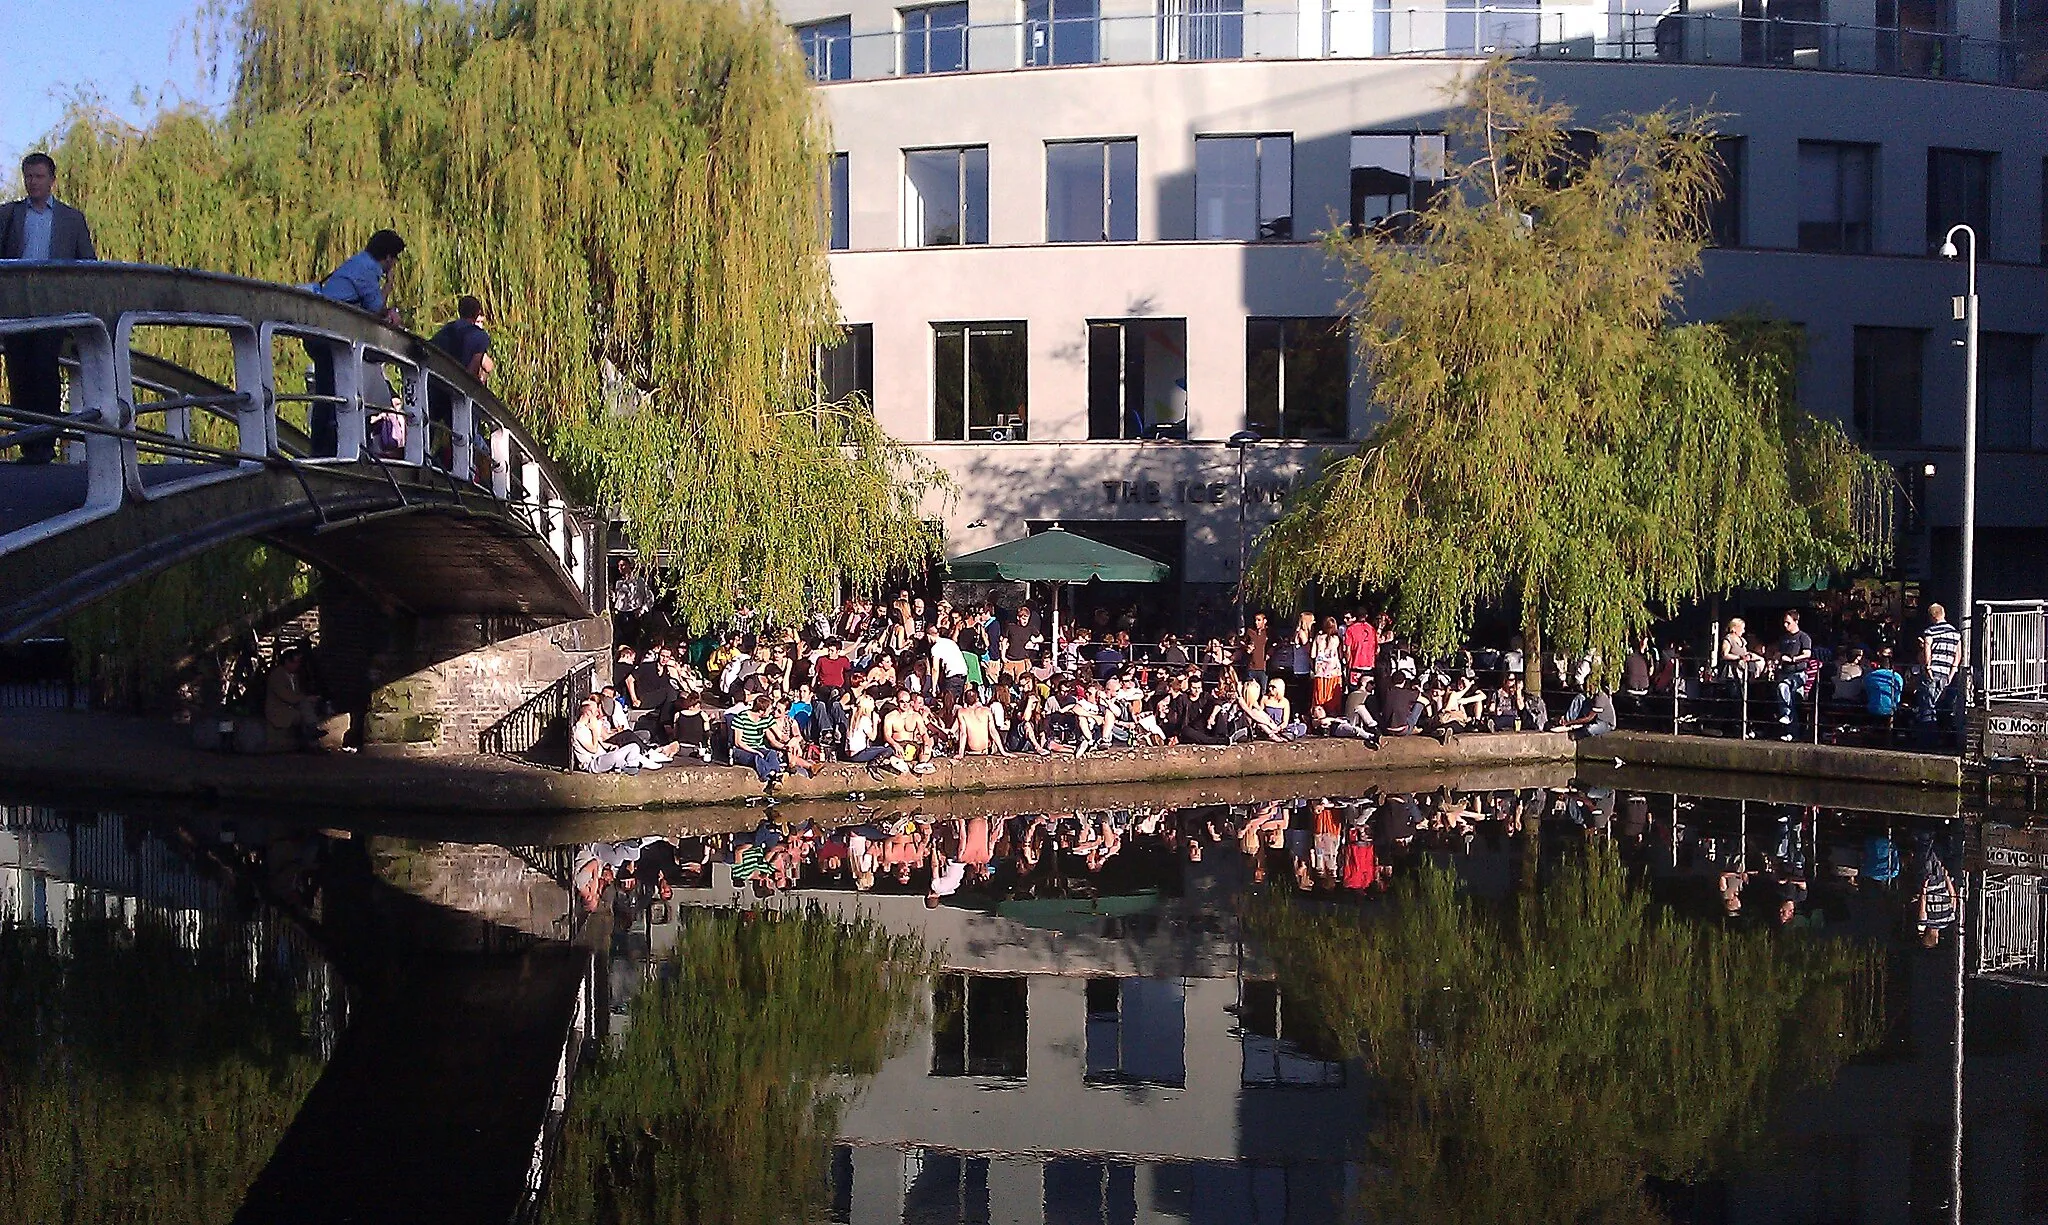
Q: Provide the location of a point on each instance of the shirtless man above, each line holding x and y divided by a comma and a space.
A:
906, 730
974, 726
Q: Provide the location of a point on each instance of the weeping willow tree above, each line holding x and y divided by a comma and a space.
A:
142, 1079
1549, 435
633, 187
1539, 1063
723, 1100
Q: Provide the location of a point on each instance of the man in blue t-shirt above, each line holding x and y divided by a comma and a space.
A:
1882, 686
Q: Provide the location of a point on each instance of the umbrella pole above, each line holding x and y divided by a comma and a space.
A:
1052, 650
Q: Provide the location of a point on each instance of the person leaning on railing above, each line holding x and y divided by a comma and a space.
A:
39, 227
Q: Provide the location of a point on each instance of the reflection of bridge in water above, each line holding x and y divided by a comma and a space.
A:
442, 505
448, 1039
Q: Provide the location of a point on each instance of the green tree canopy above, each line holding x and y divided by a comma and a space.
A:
1540, 1059
724, 1098
1549, 433
142, 1078
633, 187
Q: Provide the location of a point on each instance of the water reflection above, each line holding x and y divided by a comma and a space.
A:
1518, 1002
157, 1031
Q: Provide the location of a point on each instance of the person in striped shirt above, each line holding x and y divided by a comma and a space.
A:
750, 745
1941, 651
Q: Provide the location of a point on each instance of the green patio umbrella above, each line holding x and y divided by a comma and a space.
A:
1055, 556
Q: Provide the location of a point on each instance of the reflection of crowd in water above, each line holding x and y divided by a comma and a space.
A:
1766, 863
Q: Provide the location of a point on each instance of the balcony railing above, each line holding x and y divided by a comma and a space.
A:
1194, 30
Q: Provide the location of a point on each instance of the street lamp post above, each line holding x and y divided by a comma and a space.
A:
1968, 620
1241, 442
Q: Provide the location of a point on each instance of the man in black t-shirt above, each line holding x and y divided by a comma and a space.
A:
464, 339
1795, 650
1018, 637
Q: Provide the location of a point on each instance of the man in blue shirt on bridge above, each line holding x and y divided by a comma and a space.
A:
359, 282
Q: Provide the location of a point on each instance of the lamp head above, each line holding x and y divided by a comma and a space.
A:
1243, 438
1948, 249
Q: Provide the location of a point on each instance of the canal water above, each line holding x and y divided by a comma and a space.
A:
1609, 998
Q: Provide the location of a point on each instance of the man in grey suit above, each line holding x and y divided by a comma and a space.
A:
38, 227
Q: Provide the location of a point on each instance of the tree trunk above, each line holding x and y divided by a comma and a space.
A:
1532, 645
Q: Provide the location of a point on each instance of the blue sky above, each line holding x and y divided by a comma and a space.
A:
115, 48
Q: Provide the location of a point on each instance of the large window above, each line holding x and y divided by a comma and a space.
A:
828, 48
845, 370
1061, 32
1888, 385
980, 381
1091, 191
1960, 184
1393, 175
1280, 1041
979, 1025
1201, 30
1137, 377
2005, 391
1244, 187
1836, 189
838, 203
1724, 215
1136, 1032
1297, 378
934, 39
945, 196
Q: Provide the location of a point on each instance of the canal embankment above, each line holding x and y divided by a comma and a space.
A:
81, 755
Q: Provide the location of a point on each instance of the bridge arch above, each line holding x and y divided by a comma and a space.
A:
439, 502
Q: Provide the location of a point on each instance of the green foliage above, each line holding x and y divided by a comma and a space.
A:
632, 187
1541, 1060
723, 1099
1549, 434
141, 1080
137, 645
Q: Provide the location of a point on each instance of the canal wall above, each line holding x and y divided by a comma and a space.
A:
1774, 757
52, 754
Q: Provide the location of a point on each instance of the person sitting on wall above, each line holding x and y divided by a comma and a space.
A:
1591, 712
291, 709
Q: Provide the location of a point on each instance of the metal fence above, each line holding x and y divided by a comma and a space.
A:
537, 730
2011, 919
2014, 645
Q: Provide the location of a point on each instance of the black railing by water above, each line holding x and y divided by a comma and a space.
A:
537, 730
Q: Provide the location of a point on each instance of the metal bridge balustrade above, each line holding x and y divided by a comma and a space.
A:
131, 420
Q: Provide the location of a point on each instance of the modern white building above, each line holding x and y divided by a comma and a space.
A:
1063, 227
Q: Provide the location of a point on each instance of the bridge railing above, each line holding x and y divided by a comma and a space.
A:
370, 395
2013, 650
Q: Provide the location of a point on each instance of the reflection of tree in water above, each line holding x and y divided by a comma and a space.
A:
143, 1076
719, 1104
1542, 1059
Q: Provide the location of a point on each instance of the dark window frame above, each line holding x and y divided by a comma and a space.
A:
828, 47
1118, 216
918, 30
1886, 357
1293, 334
1009, 427
1980, 214
1275, 228
1847, 239
971, 212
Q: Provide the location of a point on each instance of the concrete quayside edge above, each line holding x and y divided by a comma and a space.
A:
89, 753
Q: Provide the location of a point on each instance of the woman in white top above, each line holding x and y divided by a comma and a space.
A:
588, 745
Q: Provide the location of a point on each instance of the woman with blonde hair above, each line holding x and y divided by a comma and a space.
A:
1326, 664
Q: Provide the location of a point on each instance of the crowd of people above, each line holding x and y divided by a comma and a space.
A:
1775, 864
897, 685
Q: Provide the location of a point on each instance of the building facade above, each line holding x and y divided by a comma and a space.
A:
1075, 242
